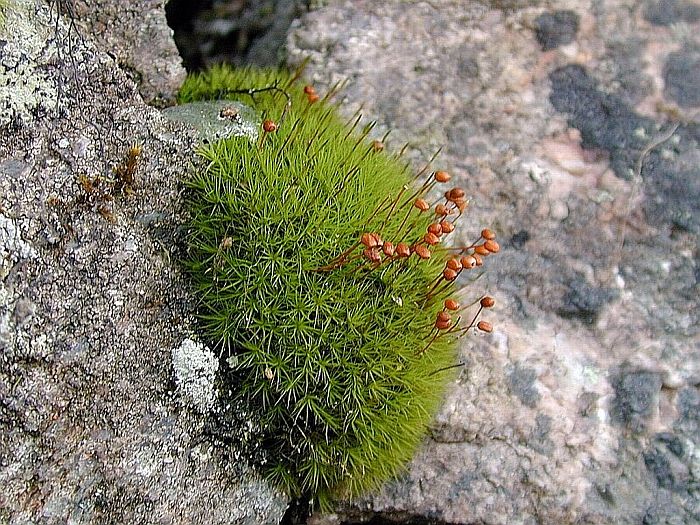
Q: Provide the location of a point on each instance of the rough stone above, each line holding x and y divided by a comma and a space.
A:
682, 76
551, 418
636, 397
556, 28
667, 12
92, 429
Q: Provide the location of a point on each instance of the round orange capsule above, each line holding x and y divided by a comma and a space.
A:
461, 204
309, 90
478, 259
449, 274
451, 304
312, 98
468, 261
443, 325
372, 254
488, 234
422, 252
269, 126
454, 264
376, 239
455, 194
388, 249
431, 239
435, 229
441, 209
442, 176
443, 316
447, 227
421, 204
481, 250
367, 240
402, 250
487, 302
485, 326
492, 246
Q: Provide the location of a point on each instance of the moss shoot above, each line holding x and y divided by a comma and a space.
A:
317, 278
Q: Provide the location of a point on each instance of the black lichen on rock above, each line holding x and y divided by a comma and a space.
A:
583, 301
556, 28
521, 381
667, 12
682, 76
636, 395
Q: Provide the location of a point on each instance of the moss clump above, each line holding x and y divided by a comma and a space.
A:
330, 348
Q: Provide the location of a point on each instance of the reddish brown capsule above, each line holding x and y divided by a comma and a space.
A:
269, 126
487, 302
441, 209
492, 246
485, 326
309, 90
376, 239
449, 274
481, 250
442, 176
312, 98
443, 316
367, 240
455, 194
402, 250
372, 254
388, 249
422, 252
488, 234
435, 229
468, 261
443, 325
431, 239
461, 204
454, 264
451, 304
478, 259
377, 145
447, 227
421, 204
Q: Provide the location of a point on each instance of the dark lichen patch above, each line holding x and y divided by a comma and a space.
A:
669, 168
583, 301
636, 397
521, 382
604, 120
556, 28
667, 12
660, 467
682, 76
688, 405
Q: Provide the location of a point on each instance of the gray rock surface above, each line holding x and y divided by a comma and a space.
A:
95, 425
582, 406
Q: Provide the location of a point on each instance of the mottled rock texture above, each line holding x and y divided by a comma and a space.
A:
95, 425
582, 406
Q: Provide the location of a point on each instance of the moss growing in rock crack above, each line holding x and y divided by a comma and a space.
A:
331, 331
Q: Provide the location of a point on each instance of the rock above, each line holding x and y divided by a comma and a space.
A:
137, 34
556, 28
636, 397
682, 76
667, 12
92, 428
555, 415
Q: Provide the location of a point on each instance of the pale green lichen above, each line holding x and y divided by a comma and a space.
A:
25, 84
217, 119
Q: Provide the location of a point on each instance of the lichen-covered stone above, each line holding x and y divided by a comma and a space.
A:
92, 428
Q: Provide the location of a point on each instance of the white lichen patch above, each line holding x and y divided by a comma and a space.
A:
217, 119
12, 247
28, 43
195, 369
